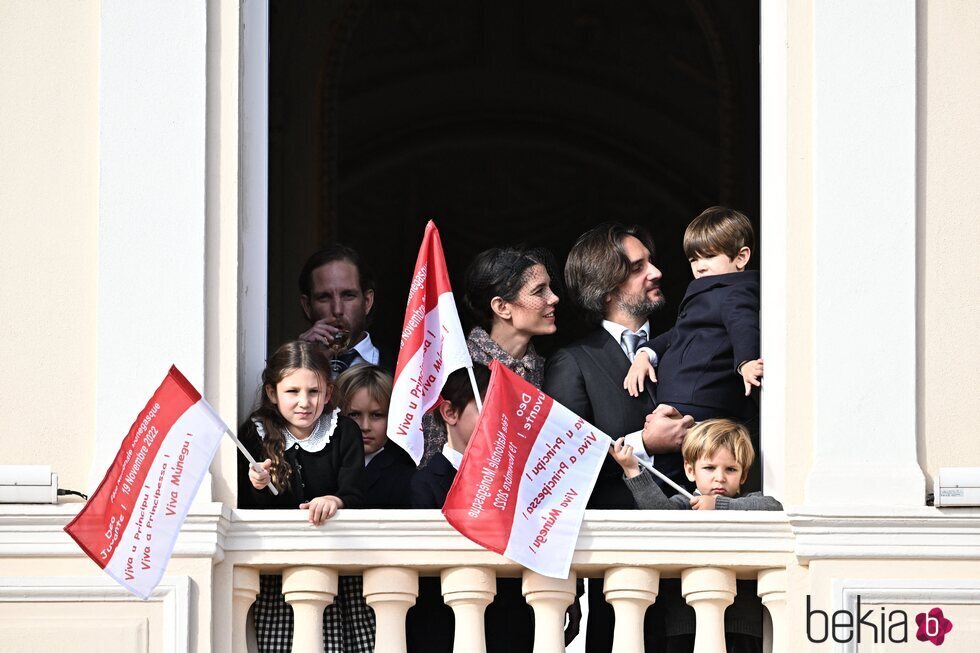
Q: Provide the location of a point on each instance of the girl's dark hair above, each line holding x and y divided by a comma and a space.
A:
458, 391
292, 356
502, 272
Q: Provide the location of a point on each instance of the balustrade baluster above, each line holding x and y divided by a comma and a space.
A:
773, 585
468, 591
391, 591
630, 590
245, 587
550, 598
309, 590
709, 590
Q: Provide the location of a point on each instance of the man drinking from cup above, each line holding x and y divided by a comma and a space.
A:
337, 294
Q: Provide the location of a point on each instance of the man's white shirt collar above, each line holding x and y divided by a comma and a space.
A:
454, 457
366, 350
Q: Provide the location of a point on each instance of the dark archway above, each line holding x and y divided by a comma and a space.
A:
505, 122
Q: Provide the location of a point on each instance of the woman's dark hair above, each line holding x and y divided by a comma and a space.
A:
292, 356
458, 391
502, 272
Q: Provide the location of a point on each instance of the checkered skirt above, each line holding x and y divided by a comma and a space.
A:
348, 623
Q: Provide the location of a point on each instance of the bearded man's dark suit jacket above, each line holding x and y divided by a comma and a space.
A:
587, 378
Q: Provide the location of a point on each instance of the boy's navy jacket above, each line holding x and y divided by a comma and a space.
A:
388, 479
431, 484
717, 328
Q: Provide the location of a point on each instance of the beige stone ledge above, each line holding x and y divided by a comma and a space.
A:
422, 539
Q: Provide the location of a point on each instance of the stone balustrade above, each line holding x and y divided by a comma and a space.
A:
203, 600
631, 550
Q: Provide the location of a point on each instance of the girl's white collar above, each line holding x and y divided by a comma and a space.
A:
317, 440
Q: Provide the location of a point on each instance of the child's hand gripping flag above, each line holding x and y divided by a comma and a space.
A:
432, 346
130, 524
527, 474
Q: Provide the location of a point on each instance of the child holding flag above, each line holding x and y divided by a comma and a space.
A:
717, 456
509, 620
430, 622
313, 456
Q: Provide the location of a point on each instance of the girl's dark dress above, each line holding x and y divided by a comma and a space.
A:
329, 462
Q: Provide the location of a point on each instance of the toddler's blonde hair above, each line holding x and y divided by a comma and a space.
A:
707, 437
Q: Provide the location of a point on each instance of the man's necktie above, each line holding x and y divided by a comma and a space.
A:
632, 341
341, 362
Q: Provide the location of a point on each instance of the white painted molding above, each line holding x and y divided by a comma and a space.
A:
30, 531
253, 244
864, 202
271, 535
358, 538
774, 207
867, 532
173, 593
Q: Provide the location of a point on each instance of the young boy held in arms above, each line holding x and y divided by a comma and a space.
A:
709, 361
717, 457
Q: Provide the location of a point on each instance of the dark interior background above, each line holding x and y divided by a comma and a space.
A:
506, 122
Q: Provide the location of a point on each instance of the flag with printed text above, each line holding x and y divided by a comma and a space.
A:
526, 477
432, 346
130, 523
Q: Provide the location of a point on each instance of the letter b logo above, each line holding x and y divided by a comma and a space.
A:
933, 626
823, 624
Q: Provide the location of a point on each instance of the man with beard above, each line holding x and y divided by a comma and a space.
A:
611, 275
337, 295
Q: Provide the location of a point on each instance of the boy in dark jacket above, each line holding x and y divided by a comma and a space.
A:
709, 361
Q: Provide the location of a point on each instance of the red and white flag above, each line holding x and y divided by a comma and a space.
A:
130, 523
432, 346
528, 472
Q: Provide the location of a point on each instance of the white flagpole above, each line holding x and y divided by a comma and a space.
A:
661, 475
476, 391
251, 461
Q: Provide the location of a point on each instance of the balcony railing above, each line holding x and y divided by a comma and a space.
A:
202, 602
631, 550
